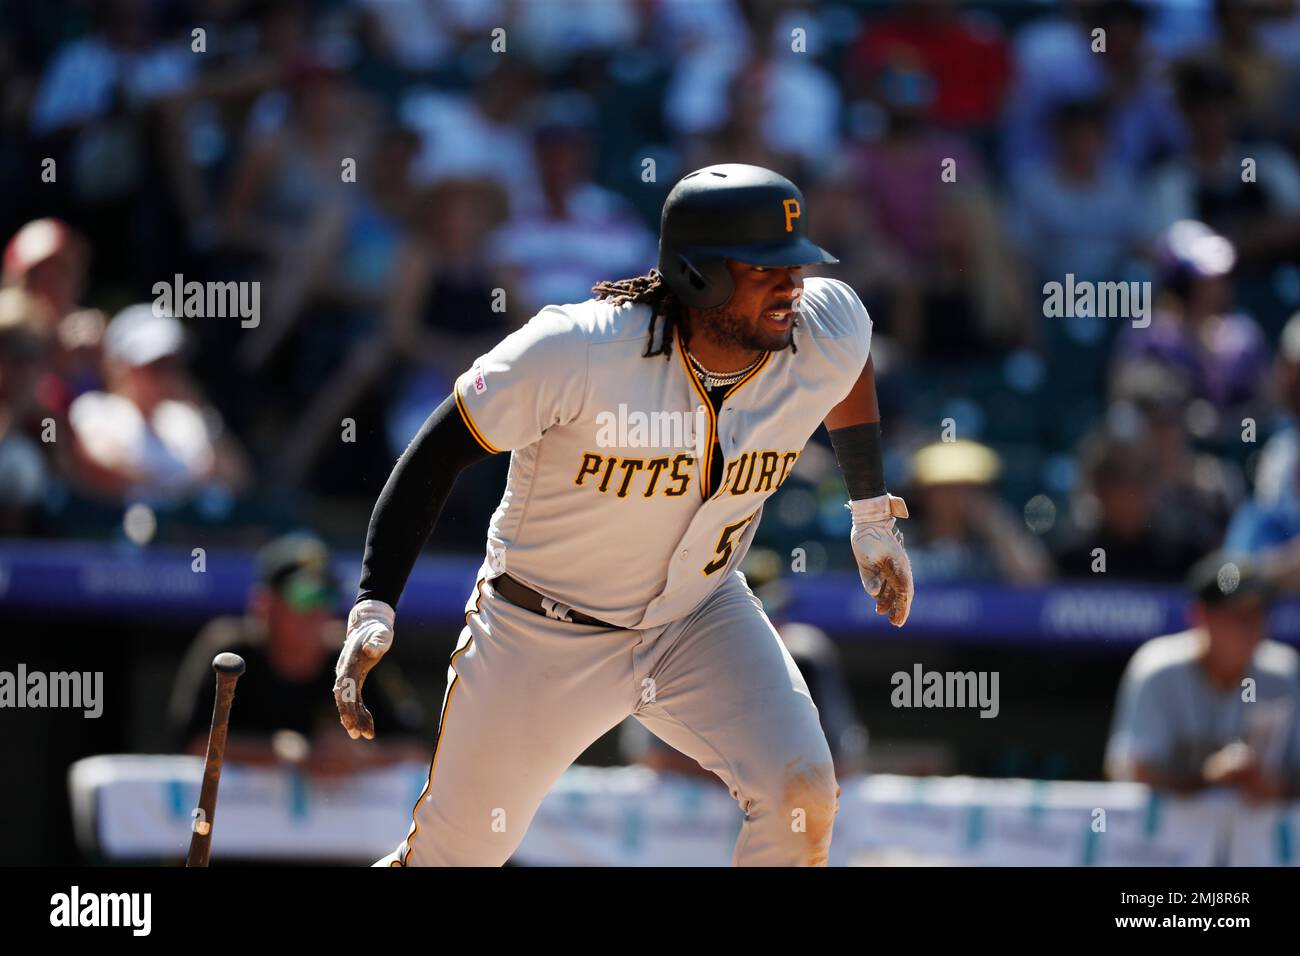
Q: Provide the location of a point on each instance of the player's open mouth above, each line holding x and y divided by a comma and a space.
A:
780, 318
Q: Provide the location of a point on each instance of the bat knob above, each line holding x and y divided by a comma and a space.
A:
228, 663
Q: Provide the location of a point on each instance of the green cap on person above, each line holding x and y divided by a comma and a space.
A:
297, 568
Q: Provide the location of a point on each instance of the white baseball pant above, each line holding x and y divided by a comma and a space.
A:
528, 694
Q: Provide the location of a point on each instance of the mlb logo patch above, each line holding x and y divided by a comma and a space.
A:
480, 385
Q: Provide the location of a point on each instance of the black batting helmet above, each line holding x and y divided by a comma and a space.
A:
730, 211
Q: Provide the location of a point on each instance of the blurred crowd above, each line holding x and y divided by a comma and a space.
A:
405, 188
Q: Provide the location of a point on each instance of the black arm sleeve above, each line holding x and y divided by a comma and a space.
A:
857, 449
412, 498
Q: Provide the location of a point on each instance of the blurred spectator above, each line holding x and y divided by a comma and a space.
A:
582, 233
1258, 211
960, 530
1051, 55
962, 292
48, 260
1122, 525
783, 113
419, 36
1192, 328
1258, 73
118, 64
24, 469
104, 112
1271, 519
1056, 62
1216, 705
1278, 30
441, 313
1076, 213
846, 222
151, 435
706, 45
969, 301
288, 203
901, 172
965, 54
1155, 400
482, 133
289, 641
803, 102
743, 137
376, 225
1053, 63
559, 32
477, 173
775, 109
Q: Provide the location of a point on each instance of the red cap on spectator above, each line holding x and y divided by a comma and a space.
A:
33, 244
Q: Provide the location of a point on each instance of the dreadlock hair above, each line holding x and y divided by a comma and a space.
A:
650, 289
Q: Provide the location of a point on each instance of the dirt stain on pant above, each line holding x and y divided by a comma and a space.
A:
809, 788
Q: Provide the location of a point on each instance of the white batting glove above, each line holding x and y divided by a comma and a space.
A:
369, 636
882, 563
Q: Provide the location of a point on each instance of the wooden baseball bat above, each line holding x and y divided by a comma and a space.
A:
228, 667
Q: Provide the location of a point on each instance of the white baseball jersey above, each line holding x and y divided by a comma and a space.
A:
608, 506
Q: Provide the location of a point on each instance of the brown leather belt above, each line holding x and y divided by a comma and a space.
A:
521, 595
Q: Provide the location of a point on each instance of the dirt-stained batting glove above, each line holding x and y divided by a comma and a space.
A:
882, 563
369, 636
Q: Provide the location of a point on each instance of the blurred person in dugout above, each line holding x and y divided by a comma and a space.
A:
289, 638
812, 652
963, 531
1215, 705
151, 434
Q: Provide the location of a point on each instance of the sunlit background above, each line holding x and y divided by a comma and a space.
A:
406, 181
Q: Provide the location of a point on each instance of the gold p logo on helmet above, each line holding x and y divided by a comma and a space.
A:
791, 213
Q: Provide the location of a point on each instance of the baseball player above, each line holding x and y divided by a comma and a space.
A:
646, 427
